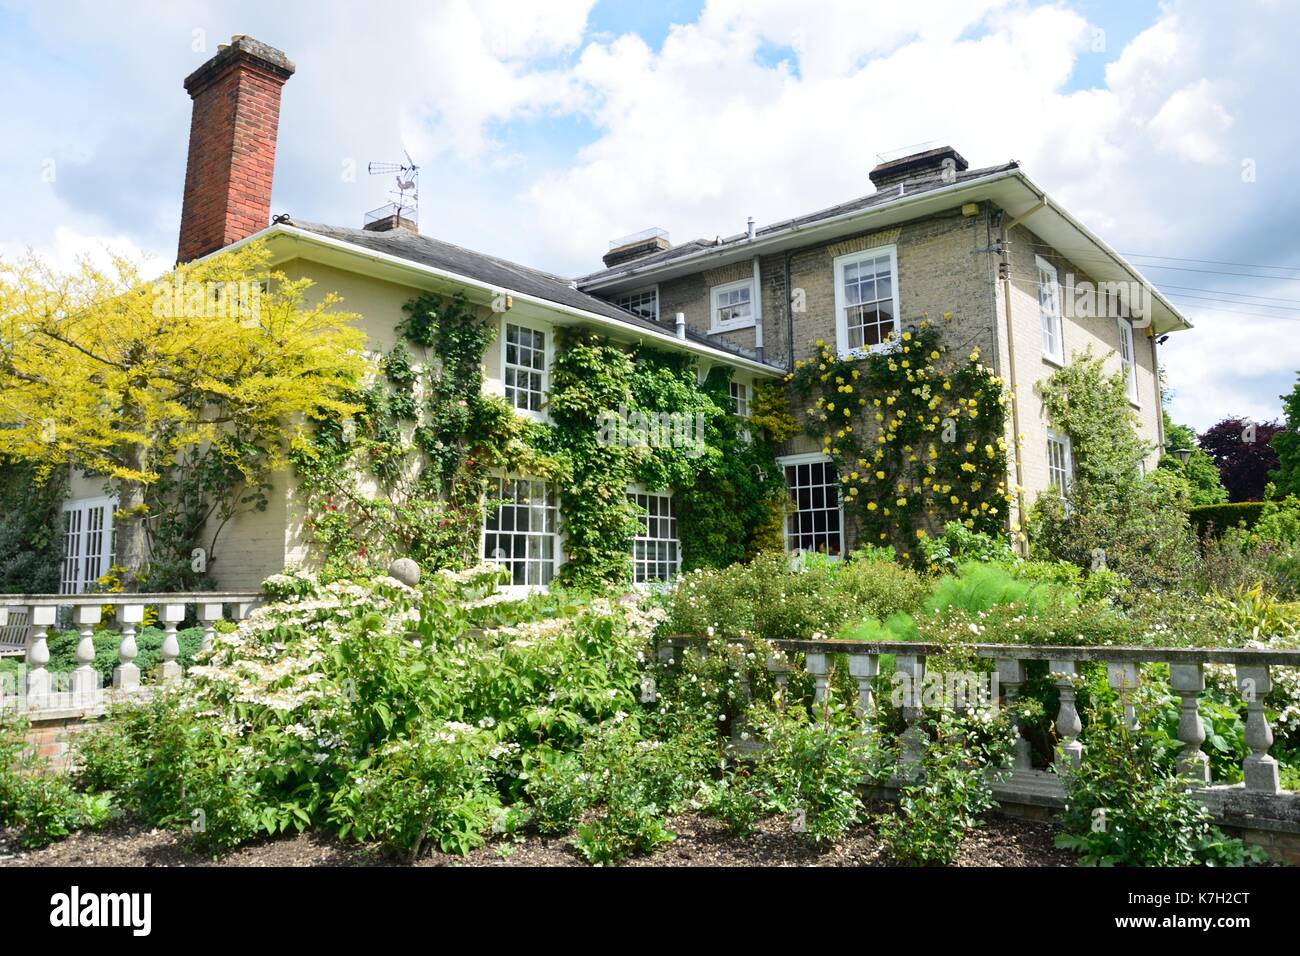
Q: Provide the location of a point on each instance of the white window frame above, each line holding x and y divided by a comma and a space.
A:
792, 509
1128, 359
730, 326
87, 548
674, 542
742, 393
1055, 437
1050, 321
548, 350
497, 513
619, 300
842, 305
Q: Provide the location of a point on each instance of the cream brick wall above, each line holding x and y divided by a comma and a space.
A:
258, 544
941, 269
1102, 334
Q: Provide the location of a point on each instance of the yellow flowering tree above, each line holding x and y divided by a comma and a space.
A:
106, 372
917, 435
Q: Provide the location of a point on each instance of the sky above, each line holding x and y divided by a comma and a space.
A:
545, 130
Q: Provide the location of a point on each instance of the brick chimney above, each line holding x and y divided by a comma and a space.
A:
636, 246
232, 145
932, 164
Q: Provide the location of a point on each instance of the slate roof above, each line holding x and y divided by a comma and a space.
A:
864, 202
508, 276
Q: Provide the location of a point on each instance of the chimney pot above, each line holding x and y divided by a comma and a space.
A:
231, 157
930, 164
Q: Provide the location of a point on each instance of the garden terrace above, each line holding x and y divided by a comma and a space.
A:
1266, 814
57, 703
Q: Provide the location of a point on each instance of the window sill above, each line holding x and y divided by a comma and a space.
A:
733, 327
1053, 360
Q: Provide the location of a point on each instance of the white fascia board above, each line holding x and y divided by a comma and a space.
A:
396, 269
894, 210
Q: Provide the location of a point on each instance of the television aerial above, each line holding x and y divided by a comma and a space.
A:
407, 194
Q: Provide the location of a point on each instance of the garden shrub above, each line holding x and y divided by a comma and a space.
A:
1127, 806
954, 788
767, 599
810, 767
1214, 520
37, 801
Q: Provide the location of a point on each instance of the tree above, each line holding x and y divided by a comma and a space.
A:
1241, 449
105, 372
1135, 525
1287, 445
1200, 474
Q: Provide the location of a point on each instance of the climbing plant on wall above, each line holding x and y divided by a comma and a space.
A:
916, 434
406, 474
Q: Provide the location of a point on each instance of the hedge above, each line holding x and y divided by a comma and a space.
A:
1223, 516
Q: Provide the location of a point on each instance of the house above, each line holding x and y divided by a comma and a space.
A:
986, 246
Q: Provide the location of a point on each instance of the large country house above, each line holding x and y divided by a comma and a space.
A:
986, 247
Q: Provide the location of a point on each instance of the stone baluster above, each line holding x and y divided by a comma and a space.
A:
909, 672
1259, 769
1123, 679
1011, 675
816, 665
85, 679
1187, 681
1069, 751
40, 617
863, 668
126, 675
209, 614
170, 614
779, 669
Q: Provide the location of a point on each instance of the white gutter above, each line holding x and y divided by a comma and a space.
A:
1046, 200
407, 265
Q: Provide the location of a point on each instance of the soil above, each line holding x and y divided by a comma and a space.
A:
1001, 842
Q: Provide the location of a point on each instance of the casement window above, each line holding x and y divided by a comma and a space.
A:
1127, 359
521, 529
644, 302
740, 394
656, 549
87, 543
1049, 311
866, 299
814, 521
1060, 466
731, 306
524, 367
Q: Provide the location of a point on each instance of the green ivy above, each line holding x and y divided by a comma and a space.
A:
428, 437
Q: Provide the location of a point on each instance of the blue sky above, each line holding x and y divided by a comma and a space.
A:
544, 130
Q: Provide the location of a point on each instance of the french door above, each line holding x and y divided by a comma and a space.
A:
87, 543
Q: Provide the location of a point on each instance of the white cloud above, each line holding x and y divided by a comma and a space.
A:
1191, 124
759, 107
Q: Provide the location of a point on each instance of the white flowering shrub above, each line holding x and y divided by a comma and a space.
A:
409, 717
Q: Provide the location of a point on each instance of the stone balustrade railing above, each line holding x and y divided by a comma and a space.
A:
29, 617
1186, 677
